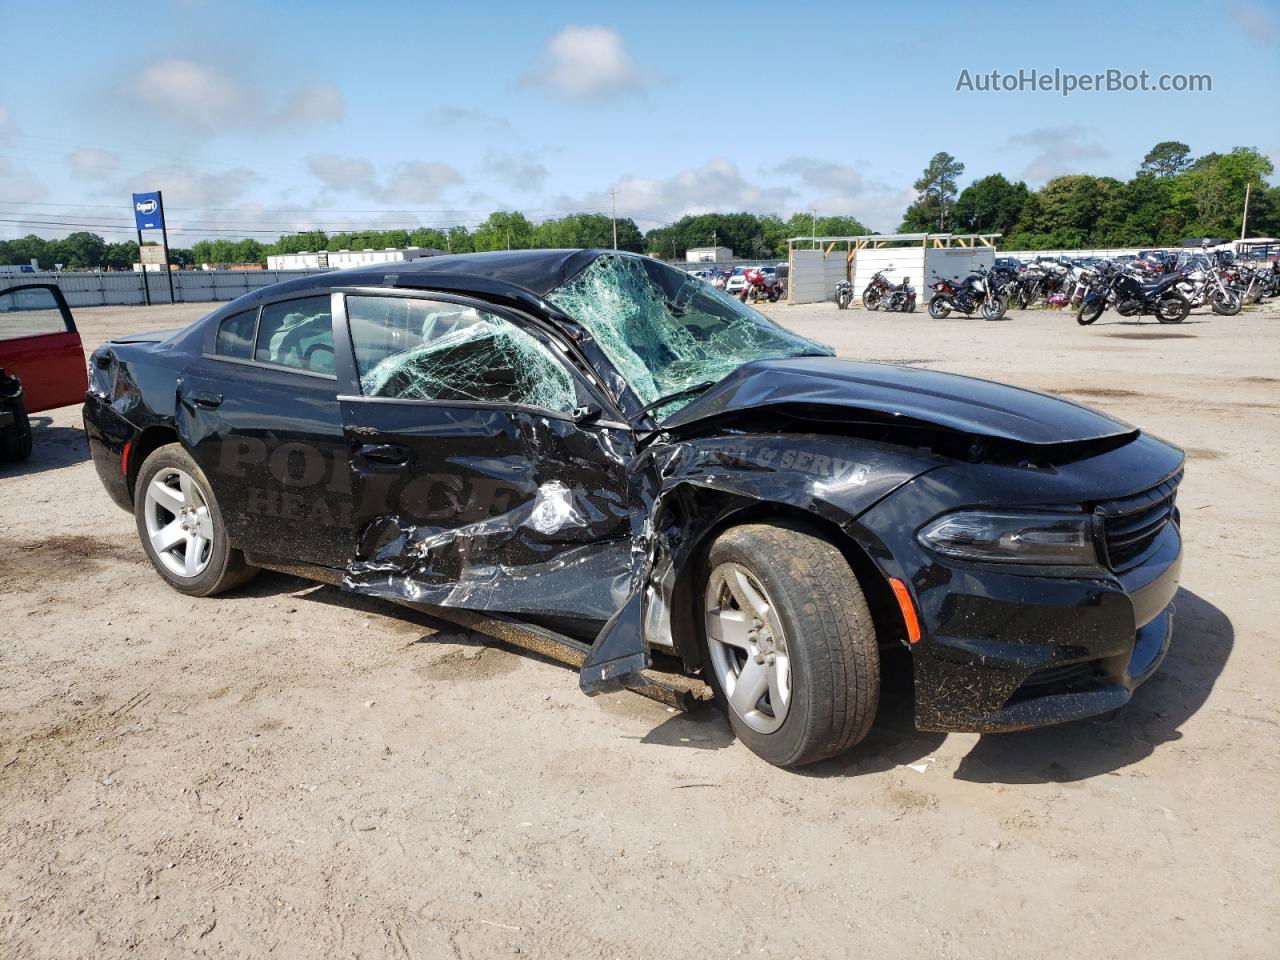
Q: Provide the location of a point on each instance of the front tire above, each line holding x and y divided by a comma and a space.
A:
1089, 312
1225, 305
181, 527
790, 648
994, 308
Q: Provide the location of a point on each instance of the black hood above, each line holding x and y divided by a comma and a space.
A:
948, 400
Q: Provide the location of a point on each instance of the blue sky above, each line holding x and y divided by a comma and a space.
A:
258, 117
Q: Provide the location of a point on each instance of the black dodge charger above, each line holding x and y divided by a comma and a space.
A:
606, 450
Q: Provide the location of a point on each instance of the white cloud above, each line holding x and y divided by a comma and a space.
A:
6, 124
415, 182
311, 106
407, 182
715, 187
1058, 151
524, 172
838, 189
1256, 22
90, 163
341, 173
192, 188
459, 118
587, 63
203, 97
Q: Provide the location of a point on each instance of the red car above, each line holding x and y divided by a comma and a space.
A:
41, 361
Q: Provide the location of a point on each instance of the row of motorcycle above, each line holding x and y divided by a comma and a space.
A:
982, 290
1167, 289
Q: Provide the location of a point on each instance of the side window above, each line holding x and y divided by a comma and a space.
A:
297, 333
413, 349
28, 313
235, 335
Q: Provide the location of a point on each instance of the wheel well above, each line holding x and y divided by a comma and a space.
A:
146, 443
883, 606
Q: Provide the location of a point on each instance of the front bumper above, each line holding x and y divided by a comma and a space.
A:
1004, 649
1006, 652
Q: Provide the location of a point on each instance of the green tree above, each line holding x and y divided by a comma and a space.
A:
504, 230
121, 256
1166, 159
990, 205
309, 242
935, 193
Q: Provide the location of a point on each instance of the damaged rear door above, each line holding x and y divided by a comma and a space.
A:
485, 474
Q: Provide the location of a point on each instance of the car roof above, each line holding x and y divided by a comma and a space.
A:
523, 276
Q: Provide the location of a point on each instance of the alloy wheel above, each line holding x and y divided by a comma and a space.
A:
179, 525
748, 647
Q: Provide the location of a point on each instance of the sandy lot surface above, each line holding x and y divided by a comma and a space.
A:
294, 771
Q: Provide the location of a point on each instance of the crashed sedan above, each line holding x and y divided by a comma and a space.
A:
607, 451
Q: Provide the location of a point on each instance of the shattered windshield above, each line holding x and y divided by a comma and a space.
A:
667, 332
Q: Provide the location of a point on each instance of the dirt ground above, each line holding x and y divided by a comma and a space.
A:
293, 771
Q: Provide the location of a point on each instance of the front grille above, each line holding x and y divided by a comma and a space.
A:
1131, 525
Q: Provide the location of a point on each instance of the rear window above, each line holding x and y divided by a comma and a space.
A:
235, 335
297, 333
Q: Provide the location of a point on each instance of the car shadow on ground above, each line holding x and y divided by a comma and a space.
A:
1202, 641
51, 449
892, 742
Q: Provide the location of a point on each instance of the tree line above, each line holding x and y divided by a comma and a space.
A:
1172, 196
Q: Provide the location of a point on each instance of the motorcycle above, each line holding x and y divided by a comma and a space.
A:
878, 291
1129, 296
903, 297
844, 294
974, 292
881, 292
759, 286
1205, 284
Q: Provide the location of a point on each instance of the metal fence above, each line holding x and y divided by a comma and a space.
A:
124, 289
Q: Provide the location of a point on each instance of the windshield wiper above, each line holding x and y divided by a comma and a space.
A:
682, 392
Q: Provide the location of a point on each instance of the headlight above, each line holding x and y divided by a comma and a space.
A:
1044, 538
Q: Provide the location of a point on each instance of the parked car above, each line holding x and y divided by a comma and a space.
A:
41, 361
737, 282
625, 459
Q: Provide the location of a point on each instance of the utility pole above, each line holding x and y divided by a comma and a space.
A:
814, 230
1244, 217
613, 200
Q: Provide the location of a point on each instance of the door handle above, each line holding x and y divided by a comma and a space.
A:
390, 453
208, 400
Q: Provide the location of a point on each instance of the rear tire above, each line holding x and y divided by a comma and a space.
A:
15, 443
815, 637
938, 309
174, 509
1172, 308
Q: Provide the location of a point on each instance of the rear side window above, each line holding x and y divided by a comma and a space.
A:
297, 333
411, 349
235, 335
